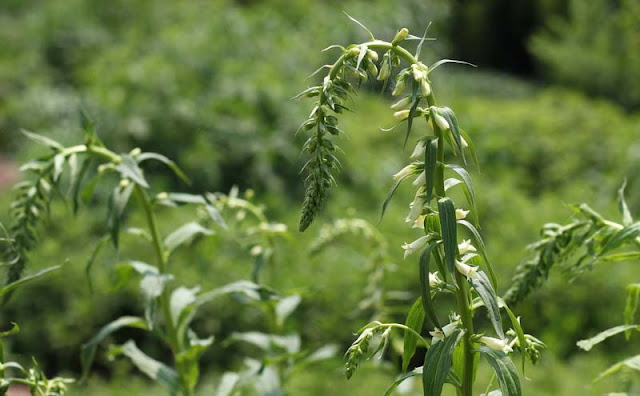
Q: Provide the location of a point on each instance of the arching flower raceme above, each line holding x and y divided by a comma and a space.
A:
497, 344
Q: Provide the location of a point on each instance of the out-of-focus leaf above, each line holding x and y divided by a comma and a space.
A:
43, 140
172, 165
13, 330
589, 343
14, 285
622, 205
632, 363
129, 169
89, 348
285, 307
185, 234
401, 378
157, 371
631, 305
390, 195
227, 384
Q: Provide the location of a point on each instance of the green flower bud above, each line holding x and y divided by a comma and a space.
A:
385, 71
373, 55
355, 51
425, 87
400, 36
402, 114
402, 103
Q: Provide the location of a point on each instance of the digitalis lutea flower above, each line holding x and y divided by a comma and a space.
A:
404, 172
465, 247
410, 248
418, 151
461, 214
496, 343
440, 334
467, 270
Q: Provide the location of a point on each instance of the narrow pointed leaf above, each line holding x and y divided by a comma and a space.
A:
129, 169
443, 61
430, 156
161, 158
157, 371
471, 148
620, 237
92, 258
437, 364
589, 343
622, 205
360, 24
415, 321
415, 100
468, 188
631, 305
185, 234
88, 351
450, 116
488, 295
43, 140
75, 184
504, 369
425, 289
632, 363
14, 285
401, 378
390, 195
447, 214
482, 248
519, 333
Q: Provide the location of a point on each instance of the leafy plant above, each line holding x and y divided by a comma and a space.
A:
464, 270
169, 309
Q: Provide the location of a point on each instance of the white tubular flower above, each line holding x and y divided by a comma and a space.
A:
439, 335
402, 114
402, 103
461, 214
256, 250
440, 121
497, 344
464, 143
404, 172
465, 247
418, 244
419, 223
418, 152
419, 71
420, 180
425, 88
434, 280
467, 270
400, 84
415, 208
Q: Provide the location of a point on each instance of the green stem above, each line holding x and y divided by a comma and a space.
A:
161, 263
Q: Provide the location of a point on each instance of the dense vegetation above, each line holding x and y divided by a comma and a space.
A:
210, 86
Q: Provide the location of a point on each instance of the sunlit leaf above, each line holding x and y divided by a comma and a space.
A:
437, 364
631, 305
185, 234
154, 369
589, 343
504, 369
488, 295
415, 321
128, 168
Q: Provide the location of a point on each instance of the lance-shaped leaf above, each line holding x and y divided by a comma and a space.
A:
227, 384
390, 195
43, 140
627, 234
415, 100
161, 158
129, 169
504, 369
588, 344
430, 154
622, 205
481, 248
117, 204
488, 295
156, 370
187, 361
447, 214
14, 285
468, 188
415, 321
471, 148
185, 234
403, 377
425, 288
437, 364
519, 332
631, 305
75, 184
88, 351
450, 116
632, 363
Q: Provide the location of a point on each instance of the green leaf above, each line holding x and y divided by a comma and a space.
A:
360, 24
415, 100
13, 330
471, 148
437, 364
425, 289
129, 169
443, 61
515, 323
88, 351
185, 234
631, 305
249, 289
430, 154
625, 256
14, 285
488, 295
632, 363
161, 158
75, 184
468, 188
187, 361
588, 344
415, 321
482, 248
156, 370
87, 191
450, 116
43, 140
92, 258
504, 369
58, 166
117, 204
390, 195
227, 384
447, 214
627, 234
622, 205
285, 307
401, 378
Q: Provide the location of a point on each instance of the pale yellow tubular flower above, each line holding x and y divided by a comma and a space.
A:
418, 151
410, 248
404, 172
467, 270
496, 343
420, 180
461, 214
401, 115
465, 247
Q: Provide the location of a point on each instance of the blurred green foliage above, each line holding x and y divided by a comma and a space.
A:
595, 49
209, 85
